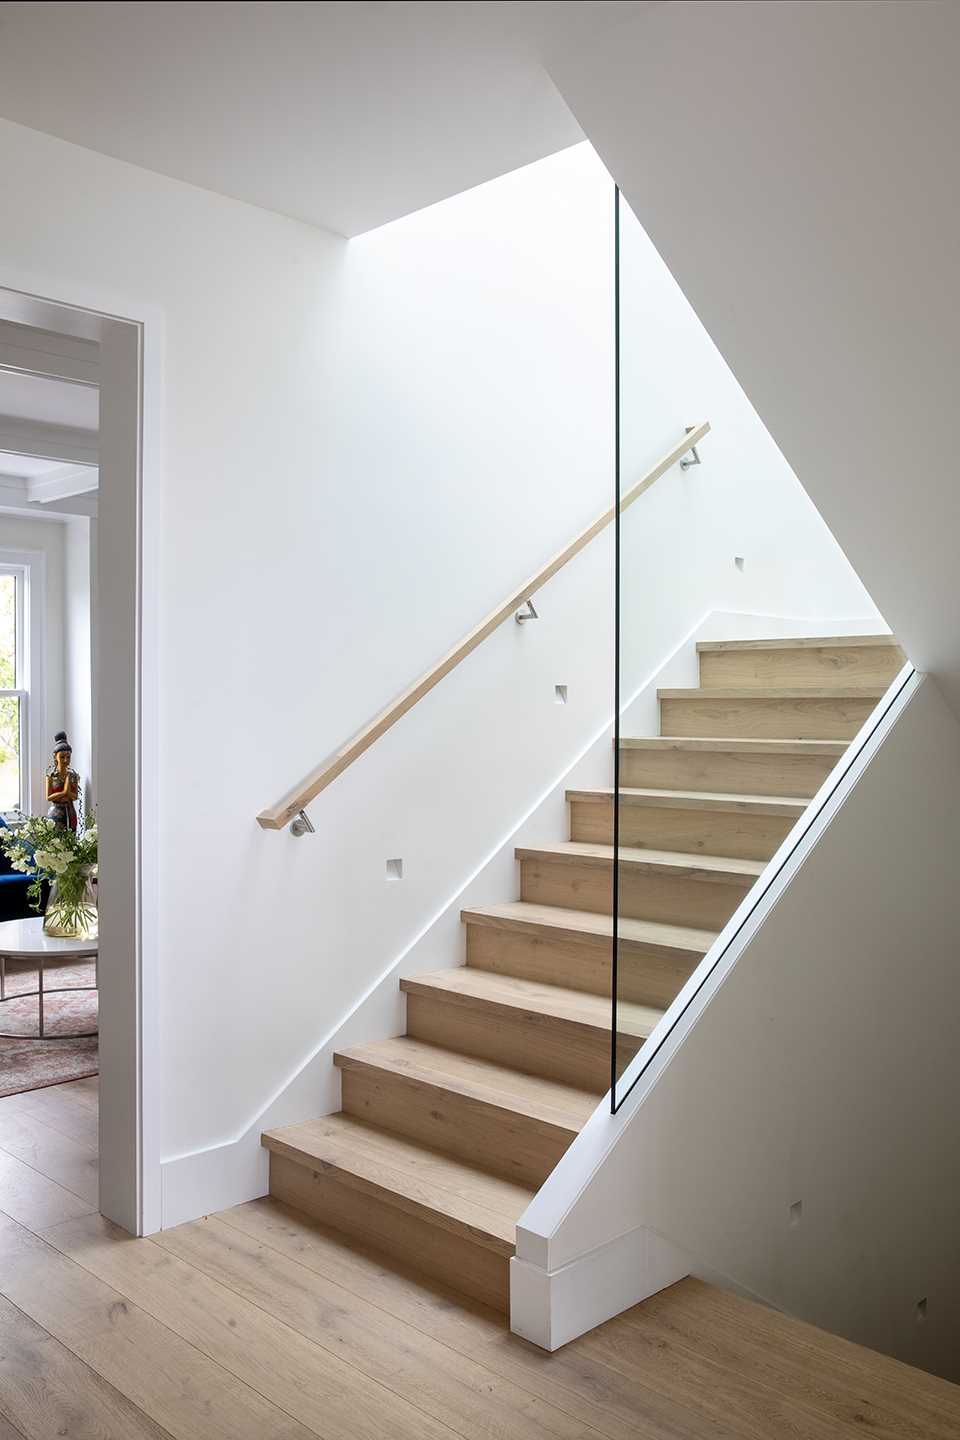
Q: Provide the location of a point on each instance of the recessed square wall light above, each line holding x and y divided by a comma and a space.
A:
395, 869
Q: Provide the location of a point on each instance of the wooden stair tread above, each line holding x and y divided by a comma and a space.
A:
786, 805
674, 862
588, 925
744, 692
798, 642
466, 985
460, 1198
481, 1080
718, 745
445, 1137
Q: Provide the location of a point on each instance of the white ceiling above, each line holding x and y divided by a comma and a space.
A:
345, 115
49, 402
26, 467
48, 424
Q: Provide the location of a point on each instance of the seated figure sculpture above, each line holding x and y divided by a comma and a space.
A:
62, 785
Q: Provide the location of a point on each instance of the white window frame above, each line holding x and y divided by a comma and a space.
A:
30, 569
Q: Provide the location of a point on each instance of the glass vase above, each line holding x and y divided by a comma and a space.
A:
71, 911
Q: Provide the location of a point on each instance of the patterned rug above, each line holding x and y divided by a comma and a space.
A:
27, 1063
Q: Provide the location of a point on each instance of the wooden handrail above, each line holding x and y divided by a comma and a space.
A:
277, 816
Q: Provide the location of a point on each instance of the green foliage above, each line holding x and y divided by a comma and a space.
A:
41, 849
8, 632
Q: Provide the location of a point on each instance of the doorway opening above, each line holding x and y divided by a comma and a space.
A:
71, 973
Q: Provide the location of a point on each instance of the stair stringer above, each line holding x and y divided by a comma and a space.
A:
586, 1249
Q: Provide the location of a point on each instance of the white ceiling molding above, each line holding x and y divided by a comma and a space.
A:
61, 484
15, 499
42, 353
49, 442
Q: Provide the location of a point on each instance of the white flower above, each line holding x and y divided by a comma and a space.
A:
53, 860
19, 858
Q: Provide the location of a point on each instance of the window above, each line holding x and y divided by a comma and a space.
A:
14, 699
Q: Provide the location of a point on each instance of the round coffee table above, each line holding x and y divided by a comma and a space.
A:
25, 940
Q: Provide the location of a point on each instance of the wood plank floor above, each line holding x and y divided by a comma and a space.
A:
257, 1324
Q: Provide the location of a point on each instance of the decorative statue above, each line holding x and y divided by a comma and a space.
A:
62, 785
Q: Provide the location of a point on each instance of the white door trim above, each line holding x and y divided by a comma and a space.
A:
130, 335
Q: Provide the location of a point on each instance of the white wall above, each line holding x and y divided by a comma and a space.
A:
46, 537
78, 582
64, 696
820, 1069
681, 545
364, 447
790, 163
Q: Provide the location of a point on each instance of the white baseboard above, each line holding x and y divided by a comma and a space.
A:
551, 1308
214, 1179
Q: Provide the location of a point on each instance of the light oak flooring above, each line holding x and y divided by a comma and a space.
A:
257, 1324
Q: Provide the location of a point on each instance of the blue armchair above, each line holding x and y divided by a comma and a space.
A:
14, 904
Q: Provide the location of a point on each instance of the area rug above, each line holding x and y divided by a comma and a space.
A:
29, 1064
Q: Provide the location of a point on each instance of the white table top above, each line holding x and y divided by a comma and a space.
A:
25, 940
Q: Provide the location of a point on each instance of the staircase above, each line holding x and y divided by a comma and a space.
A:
447, 1132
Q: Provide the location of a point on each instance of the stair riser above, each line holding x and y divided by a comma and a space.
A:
536, 1044
795, 775
498, 1139
453, 1259
762, 718
694, 832
792, 669
647, 975
667, 899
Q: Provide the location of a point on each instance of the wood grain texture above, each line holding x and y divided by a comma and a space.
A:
47, 1391
343, 1340
35, 1201
73, 1164
734, 826
70, 1109
170, 1381
799, 642
499, 995
775, 1350
505, 1058
451, 1387
472, 1201
537, 1029
691, 1363
817, 666
322, 1390
759, 767
512, 1124
667, 886
573, 948
789, 715
474, 1267
276, 816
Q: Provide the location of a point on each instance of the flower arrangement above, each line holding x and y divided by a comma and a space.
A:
68, 860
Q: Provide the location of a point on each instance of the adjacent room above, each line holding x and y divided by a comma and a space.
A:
48, 510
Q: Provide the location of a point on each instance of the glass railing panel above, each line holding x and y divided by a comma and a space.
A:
652, 537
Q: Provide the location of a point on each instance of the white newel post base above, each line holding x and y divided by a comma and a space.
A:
552, 1307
